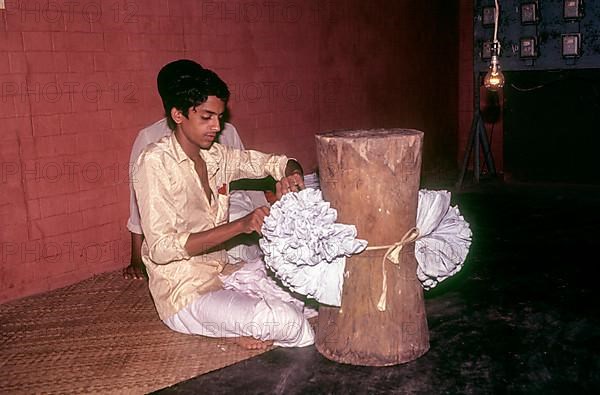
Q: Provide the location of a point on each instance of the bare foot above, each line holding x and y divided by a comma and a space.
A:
250, 343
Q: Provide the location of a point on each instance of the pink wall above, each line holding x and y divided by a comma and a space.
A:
77, 82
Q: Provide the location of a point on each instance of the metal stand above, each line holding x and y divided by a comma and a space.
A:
477, 137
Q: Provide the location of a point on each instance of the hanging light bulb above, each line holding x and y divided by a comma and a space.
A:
494, 79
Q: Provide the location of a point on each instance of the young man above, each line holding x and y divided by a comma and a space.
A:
241, 202
182, 189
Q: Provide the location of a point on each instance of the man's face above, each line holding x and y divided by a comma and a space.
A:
203, 122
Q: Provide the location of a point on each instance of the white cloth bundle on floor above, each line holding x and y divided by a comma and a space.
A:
305, 248
444, 241
252, 279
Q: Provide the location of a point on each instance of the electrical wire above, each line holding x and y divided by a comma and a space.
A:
527, 89
496, 25
561, 78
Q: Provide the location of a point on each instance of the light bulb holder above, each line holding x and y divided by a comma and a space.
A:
495, 48
494, 64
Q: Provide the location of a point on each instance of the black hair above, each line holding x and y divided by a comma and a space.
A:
176, 69
188, 91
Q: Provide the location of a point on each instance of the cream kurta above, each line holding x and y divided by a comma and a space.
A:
173, 204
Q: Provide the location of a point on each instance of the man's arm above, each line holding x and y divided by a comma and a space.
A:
293, 167
158, 210
198, 243
135, 269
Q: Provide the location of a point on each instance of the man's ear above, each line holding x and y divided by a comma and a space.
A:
177, 115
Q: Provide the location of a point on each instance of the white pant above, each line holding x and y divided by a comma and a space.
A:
228, 313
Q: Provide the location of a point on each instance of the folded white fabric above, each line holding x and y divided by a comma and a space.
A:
240, 204
252, 279
311, 181
445, 238
305, 248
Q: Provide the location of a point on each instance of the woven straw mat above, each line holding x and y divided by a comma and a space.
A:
101, 335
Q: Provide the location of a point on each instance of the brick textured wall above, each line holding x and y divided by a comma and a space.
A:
77, 82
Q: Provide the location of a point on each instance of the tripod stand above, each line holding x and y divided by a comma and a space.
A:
477, 137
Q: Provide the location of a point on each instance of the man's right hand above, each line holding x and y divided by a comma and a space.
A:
200, 242
253, 222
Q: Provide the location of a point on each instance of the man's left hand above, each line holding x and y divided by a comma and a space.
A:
291, 183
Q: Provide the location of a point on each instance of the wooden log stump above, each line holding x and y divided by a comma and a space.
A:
371, 177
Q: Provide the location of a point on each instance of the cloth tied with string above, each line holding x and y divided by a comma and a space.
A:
307, 250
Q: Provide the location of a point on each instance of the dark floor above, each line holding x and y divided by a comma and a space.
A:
521, 317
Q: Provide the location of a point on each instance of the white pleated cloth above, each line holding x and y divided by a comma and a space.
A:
307, 250
252, 279
444, 241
